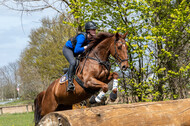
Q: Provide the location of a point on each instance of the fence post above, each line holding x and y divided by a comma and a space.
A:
27, 108
1, 111
32, 107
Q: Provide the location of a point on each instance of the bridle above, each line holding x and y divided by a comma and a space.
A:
117, 55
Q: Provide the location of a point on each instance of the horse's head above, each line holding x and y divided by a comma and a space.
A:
119, 50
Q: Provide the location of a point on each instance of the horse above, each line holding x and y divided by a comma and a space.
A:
93, 70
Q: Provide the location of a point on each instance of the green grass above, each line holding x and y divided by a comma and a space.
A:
18, 102
21, 119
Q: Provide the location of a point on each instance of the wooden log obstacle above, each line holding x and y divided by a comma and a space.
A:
165, 113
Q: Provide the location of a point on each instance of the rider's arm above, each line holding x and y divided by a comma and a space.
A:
80, 40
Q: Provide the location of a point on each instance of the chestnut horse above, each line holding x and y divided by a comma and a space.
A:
94, 71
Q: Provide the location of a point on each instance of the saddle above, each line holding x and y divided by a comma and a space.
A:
64, 78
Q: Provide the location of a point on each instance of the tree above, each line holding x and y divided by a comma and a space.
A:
42, 61
9, 81
169, 21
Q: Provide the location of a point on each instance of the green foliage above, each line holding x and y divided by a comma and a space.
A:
45, 48
158, 43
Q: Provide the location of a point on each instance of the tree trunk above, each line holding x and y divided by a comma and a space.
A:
144, 114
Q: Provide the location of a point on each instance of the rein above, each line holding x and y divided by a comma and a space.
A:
104, 63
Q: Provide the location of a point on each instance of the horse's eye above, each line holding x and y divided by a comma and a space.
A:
119, 47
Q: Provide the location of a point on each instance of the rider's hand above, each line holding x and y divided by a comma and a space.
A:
85, 47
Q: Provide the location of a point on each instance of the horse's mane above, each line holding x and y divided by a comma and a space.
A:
98, 39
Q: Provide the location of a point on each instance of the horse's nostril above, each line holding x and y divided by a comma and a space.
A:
124, 67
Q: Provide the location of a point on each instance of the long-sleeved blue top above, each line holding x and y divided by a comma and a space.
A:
79, 45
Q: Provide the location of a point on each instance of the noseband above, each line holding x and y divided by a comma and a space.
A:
117, 55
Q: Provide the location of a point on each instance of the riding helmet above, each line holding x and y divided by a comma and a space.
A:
90, 25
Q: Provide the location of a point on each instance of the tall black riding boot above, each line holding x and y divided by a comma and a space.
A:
71, 86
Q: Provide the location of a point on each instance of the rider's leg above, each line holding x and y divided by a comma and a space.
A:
68, 53
71, 71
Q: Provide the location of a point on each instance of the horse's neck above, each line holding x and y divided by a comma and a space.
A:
102, 50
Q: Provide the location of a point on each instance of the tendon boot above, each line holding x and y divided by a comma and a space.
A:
71, 86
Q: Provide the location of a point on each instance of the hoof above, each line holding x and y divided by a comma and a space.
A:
92, 100
113, 96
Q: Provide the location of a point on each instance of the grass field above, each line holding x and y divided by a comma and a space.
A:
20, 119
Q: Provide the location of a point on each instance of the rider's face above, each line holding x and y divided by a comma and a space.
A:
92, 33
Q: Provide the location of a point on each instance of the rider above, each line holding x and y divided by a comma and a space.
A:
75, 46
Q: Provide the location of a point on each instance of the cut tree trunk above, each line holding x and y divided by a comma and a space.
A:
166, 113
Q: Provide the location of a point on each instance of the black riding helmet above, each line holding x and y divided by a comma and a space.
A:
90, 25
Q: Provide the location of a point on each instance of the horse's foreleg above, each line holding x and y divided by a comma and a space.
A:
94, 83
113, 75
113, 96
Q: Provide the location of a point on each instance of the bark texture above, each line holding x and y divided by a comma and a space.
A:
173, 113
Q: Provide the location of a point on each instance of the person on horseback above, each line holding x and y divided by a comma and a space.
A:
76, 46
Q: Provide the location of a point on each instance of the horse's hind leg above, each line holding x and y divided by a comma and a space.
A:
49, 103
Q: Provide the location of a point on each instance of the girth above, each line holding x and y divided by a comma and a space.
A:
81, 83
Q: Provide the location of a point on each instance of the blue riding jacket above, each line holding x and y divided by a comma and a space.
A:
79, 48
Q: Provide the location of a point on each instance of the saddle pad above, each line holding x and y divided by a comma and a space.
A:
64, 78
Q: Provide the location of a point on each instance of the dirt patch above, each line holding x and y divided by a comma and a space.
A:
16, 109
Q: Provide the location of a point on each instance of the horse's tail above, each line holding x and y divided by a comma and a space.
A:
37, 107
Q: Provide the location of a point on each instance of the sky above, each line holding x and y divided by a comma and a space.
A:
15, 31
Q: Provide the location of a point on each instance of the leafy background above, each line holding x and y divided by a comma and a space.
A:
158, 46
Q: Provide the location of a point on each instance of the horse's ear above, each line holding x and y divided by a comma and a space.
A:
124, 36
117, 36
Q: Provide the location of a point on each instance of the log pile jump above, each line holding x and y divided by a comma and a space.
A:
166, 113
